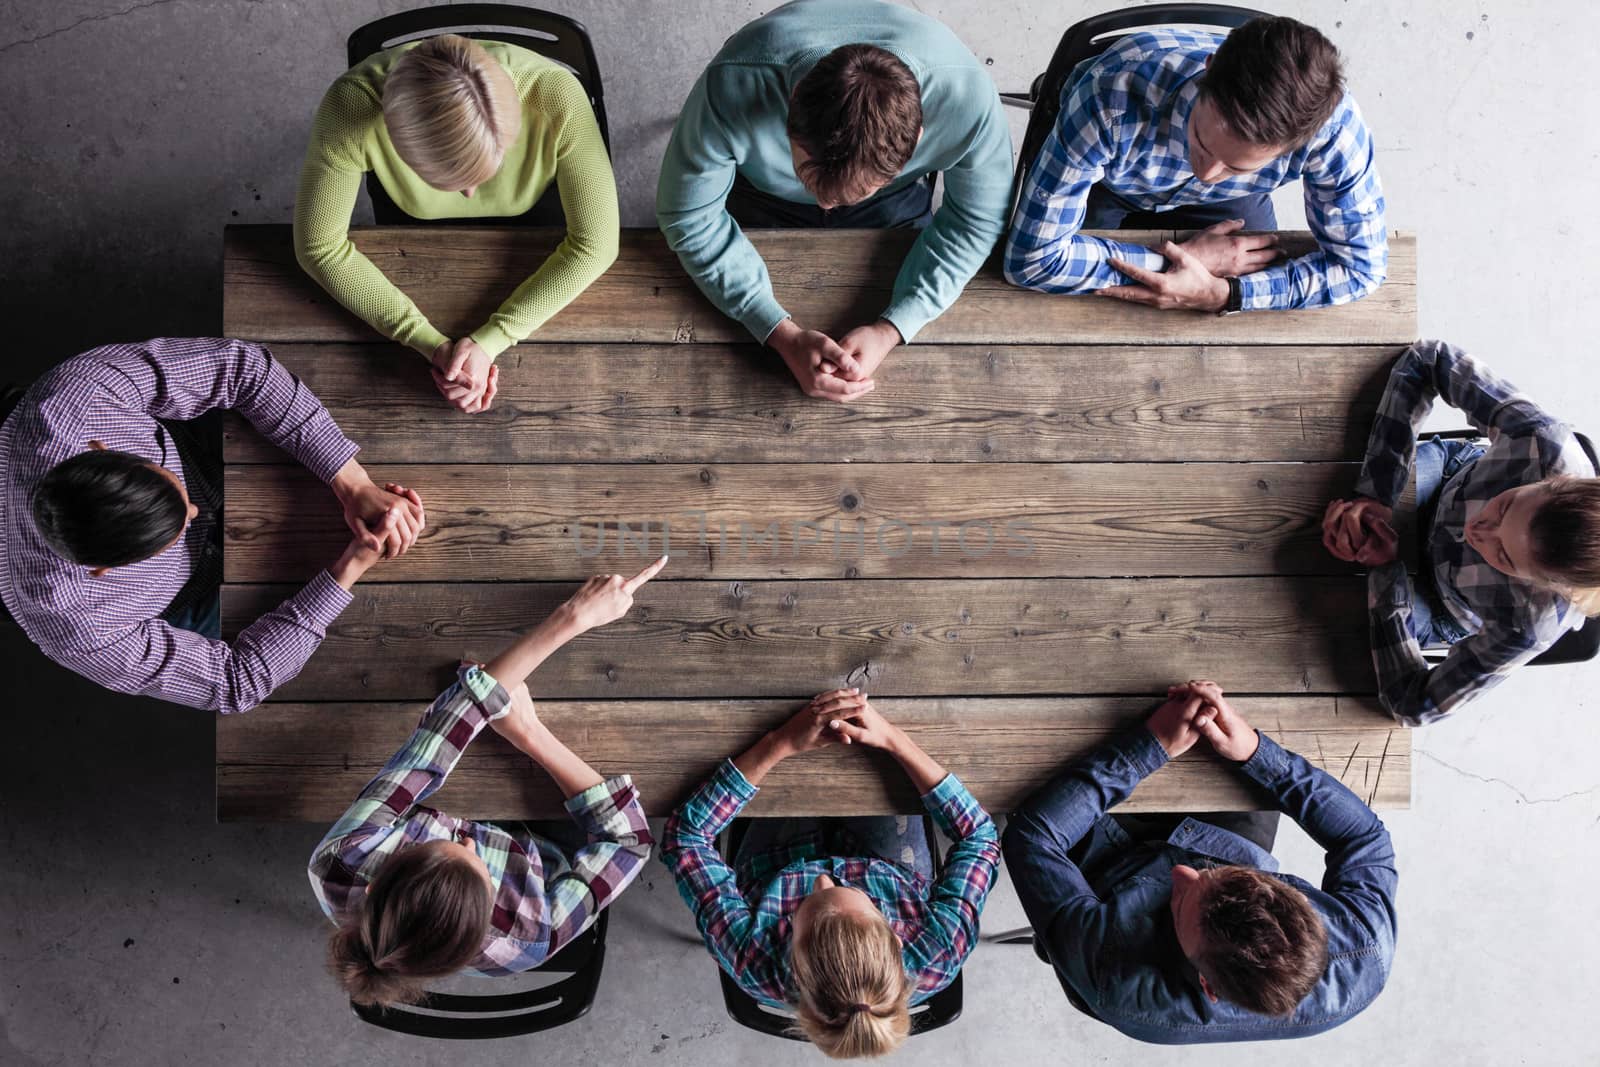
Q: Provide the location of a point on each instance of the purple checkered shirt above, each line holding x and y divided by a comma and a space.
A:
107, 628
747, 928
542, 898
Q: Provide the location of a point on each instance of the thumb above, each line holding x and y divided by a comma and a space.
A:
1226, 226
1178, 254
849, 731
458, 359
1212, 731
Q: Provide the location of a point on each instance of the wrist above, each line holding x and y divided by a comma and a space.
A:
567, 621
349, 478
347, 570
1222, 294
782, 335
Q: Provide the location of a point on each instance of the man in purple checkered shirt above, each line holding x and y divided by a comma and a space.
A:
110, 519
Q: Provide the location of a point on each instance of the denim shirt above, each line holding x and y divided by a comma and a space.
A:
1100, 903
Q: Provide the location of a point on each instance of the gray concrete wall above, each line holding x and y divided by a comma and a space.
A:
137, 931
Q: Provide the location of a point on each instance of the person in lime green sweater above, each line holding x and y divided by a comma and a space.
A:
457, 128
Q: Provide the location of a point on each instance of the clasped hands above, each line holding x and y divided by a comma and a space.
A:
385, 522
465, 375
834, 370
1198, 270
837, 717
1197, 710
1360, 530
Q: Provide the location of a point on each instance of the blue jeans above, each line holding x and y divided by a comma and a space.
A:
203, 616
910, 206
1108, 211
1437, 462
899, 839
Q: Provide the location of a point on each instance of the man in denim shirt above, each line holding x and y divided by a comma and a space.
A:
1198, 938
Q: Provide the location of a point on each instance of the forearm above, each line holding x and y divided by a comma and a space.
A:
571, 774
1073, 262
589, 201
513, 665
1310, 281
923, 770
758, 760
1333, 816
325, 252
1068, 807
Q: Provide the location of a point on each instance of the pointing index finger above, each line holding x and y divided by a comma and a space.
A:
645, 575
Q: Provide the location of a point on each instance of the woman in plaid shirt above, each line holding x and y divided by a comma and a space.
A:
839, 920
1509, 536
419, 894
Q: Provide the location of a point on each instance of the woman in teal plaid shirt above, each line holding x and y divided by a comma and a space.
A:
418, 894
840, 920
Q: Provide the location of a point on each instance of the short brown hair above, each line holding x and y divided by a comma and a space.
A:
855, 997
1564, 534
424, 916
1264, 947
1274, 81
857, 114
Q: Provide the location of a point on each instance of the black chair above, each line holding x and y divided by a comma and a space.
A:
462, 1017
10, 396
1087, 39
1574, 646
941, 1009
553, 36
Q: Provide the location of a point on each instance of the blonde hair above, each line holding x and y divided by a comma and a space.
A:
854, 994
424, 916
451, 111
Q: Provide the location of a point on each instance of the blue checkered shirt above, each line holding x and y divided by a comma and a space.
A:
1124, 124
1509, 620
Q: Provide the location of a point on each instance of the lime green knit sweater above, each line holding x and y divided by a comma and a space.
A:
560, 140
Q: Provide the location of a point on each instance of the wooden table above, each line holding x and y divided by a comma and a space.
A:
1140, 492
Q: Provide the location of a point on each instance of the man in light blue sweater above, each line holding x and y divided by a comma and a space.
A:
837, 113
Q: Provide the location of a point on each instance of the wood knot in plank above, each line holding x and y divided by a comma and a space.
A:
684, 334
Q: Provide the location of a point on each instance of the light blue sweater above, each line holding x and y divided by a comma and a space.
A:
734, 122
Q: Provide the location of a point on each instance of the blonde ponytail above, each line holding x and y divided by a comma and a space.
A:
854, 995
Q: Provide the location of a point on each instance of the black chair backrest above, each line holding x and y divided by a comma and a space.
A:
941, 1009
1087, 39
462, 1017
553, 36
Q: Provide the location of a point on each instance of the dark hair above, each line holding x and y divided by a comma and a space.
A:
1274, 81
1564, 534
1264, 947
424, 916
107, 509
857, 114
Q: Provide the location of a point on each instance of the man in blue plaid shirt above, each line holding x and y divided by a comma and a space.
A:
1174, 129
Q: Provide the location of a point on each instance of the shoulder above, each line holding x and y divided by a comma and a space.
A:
356, 96
1343, 138
1158, 54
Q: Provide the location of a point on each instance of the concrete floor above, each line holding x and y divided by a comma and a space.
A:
138, 931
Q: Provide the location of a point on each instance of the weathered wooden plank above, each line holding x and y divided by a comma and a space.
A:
824, 520
308, 761
831, 280
895, 638
948, 403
